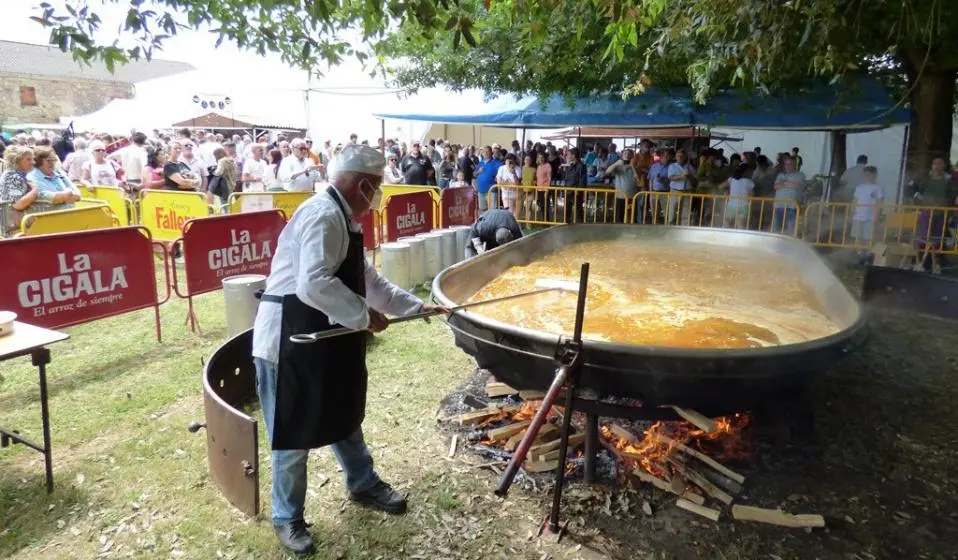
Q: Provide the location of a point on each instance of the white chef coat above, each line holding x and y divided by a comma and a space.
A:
310, 250
303, 183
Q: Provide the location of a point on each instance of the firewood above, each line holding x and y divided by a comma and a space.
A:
776, 517
667, 487
480, 415
708, 513
532, 395
621, 432
699, 420
453, 445
548, 432
499, 389
702, 457
574, 440
554, 454
697, 479
540, 466
508, 431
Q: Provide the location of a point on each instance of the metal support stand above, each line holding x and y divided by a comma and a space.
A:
591, 446
569, 357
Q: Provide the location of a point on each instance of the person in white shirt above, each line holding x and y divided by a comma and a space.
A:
509, 174
314, 394
254, 171
101, 171
132, 158
75, 160
868, 198
680, 174
297, 171
206, 148
739, 188
391, 173
196, 165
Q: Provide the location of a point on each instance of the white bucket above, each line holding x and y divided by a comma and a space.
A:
433, 252
395, 263
417, 259
240, 302
462, 238
448, 247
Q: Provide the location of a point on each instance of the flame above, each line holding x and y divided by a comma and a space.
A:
650, 453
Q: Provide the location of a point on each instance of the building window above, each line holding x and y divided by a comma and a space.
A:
28, 96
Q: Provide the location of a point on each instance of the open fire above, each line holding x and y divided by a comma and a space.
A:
681, 458
661, 441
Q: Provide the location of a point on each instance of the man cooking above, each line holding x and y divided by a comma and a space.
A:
493, 228
314, 395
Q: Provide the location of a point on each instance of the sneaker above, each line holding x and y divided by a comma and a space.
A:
382, 497
295, 537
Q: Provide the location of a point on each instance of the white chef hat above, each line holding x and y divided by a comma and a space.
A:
358, 158
96, 145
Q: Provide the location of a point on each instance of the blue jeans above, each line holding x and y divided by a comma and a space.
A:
783, 221
288, 495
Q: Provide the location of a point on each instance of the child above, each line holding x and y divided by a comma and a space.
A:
868, 197
527, 194
460, 181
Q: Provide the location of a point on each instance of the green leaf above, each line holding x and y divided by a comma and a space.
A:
456, 40
469, 38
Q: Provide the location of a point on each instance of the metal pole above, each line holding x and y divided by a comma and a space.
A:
904, 165
570, 400
591, 445
383, 123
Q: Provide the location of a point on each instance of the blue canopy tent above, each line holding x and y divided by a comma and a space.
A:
863, 105
858, 104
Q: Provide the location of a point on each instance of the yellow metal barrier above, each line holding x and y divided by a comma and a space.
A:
94, 215
288, 202
561, 205
928, 229
164, 212
715, 210
114, 197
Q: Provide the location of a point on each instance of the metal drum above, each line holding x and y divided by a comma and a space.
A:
449, 257
395, 263
433, 253
462, 238
417, 259
241, 303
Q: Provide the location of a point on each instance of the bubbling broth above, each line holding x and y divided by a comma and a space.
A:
656, 293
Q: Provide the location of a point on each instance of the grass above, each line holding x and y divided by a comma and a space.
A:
131, 482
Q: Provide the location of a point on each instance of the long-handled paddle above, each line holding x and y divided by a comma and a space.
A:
546, 285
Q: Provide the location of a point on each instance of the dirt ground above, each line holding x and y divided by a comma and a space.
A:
878, 459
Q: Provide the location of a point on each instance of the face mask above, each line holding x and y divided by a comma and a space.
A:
377, 194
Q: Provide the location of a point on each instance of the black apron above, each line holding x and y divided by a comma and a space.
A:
321, 387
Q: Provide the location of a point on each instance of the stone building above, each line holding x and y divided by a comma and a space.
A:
40, 84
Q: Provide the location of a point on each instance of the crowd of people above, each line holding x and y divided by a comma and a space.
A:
47, 171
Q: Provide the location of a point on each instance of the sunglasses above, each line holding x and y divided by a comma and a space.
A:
99, 150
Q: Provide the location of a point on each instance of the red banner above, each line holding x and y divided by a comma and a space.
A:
369, 224
65, 279
408, 214
458, 206
222, 246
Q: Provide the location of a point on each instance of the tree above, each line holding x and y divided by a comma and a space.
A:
580, 47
